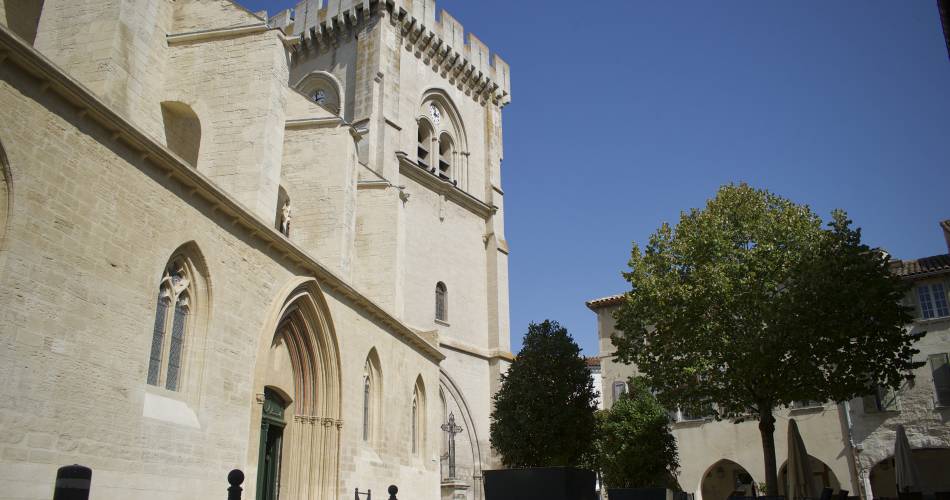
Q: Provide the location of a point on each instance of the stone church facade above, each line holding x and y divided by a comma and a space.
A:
233, 241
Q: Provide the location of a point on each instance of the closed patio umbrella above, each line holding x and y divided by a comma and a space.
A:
801, 482
905, 471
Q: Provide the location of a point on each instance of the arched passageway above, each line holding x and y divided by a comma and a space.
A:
724, 478
822, 476
933, 469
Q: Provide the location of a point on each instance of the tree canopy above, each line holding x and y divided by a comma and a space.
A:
750, 303
634, 446
544, 410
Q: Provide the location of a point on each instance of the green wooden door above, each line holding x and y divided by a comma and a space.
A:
272, 433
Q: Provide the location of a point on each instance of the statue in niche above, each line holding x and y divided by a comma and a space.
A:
285, 217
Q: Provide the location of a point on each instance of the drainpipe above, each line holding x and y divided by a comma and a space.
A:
852, 452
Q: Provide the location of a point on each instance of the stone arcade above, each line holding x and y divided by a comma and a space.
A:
227, 240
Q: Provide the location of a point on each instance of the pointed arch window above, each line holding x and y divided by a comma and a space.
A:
366, 407
415, 423
372, 404
441, 302
417, 417
173, 313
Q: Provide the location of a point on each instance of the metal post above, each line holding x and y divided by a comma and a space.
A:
72, 483
368, 493
392, 492
235, 479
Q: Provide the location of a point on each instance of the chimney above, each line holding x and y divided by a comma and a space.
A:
945, 225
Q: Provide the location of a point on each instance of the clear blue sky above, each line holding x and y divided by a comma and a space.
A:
625, 114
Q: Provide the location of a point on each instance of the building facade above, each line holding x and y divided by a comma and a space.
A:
850, 444
233, 241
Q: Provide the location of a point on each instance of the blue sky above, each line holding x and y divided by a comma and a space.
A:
626, 113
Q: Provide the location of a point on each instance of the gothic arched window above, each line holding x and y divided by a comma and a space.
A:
441, 302
173, 313
415, 424
417, 416
372, 383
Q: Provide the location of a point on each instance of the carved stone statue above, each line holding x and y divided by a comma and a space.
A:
285, 217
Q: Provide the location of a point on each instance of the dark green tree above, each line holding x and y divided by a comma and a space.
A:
544, 410
634, 446
750, 303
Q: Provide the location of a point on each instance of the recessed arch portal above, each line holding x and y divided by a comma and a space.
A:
468, 453
302, 330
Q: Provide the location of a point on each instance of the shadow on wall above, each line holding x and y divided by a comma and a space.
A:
23, 17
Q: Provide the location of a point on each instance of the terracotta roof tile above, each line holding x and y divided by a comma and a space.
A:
595, 304
937, 264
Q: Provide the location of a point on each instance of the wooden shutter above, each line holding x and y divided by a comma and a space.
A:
940, 368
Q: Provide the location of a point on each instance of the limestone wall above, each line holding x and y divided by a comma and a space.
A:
116, 48
91, 227
237, 87
319, 173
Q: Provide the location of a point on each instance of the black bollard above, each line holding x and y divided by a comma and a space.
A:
72, 483
392, 492
235, 478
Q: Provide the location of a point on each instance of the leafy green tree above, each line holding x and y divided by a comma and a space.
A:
544, 410
634, 446
751, 304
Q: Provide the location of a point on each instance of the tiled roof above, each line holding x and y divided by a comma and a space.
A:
592, 361
938, 264
595, 304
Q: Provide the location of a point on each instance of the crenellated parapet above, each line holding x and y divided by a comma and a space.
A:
441, 42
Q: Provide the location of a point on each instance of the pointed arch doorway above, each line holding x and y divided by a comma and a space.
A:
296, 436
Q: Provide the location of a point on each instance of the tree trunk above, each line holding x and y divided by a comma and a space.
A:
767, 430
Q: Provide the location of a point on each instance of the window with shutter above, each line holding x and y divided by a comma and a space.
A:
620, 388
932, 300
940, 368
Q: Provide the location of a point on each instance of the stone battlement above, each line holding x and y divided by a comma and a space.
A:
464, 60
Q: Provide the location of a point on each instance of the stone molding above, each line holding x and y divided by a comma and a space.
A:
14, 50
413, 171
230, 31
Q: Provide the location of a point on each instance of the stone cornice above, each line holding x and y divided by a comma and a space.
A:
451, 192
230, 31
464, 347
14, 50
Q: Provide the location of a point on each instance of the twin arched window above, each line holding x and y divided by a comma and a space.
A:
172, 323
441, 302
440, 139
